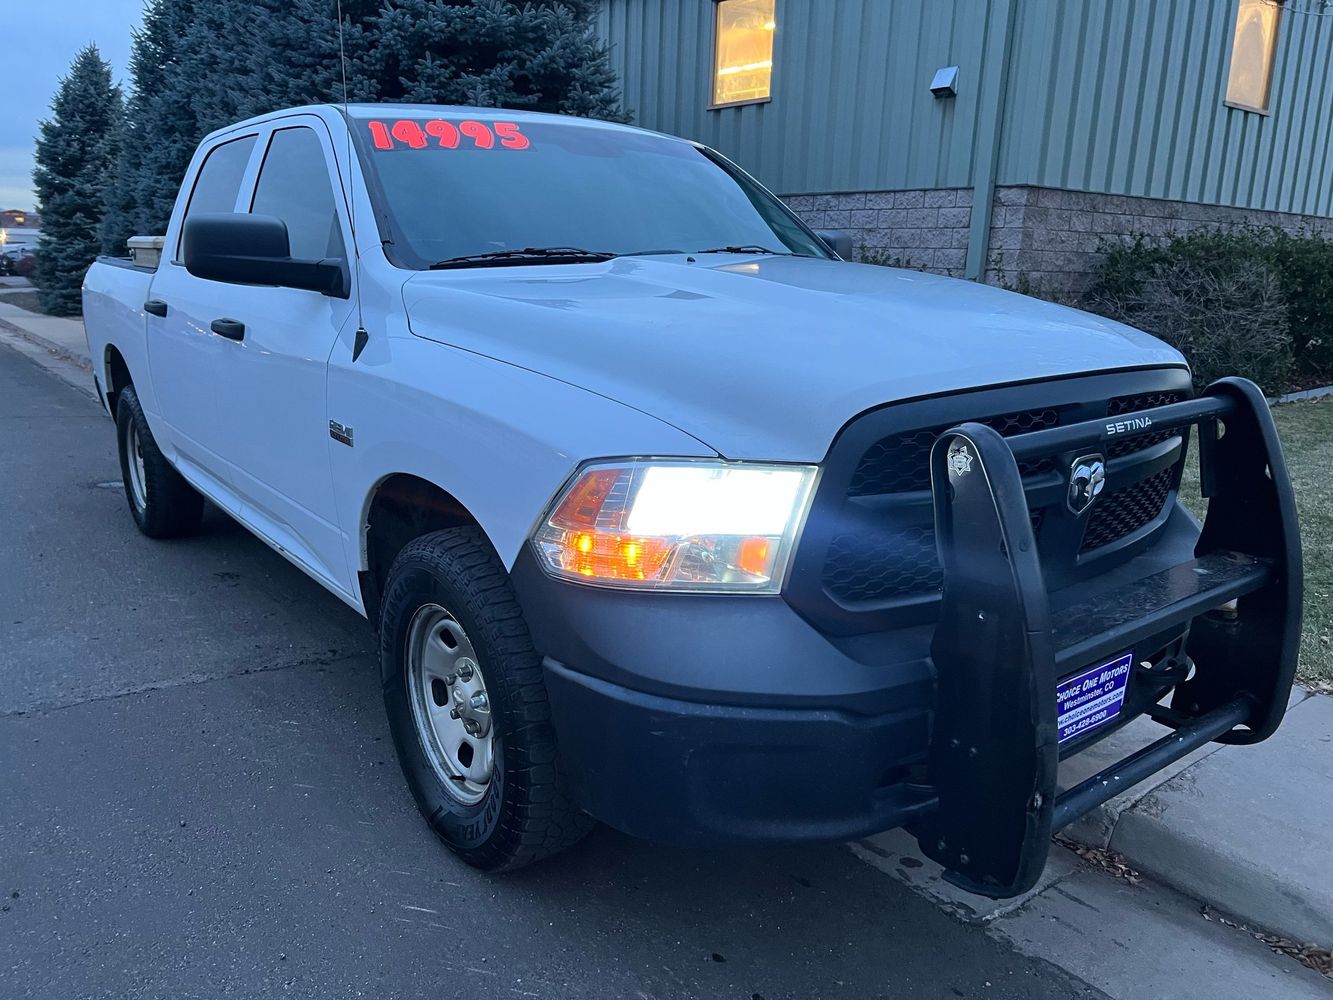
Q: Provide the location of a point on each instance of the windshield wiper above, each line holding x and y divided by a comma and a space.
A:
745, 249
528, 255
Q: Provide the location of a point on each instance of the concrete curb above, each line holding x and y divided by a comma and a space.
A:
1296, 397
1136, 939
72, 369
897, 855
79, 358
1247, 830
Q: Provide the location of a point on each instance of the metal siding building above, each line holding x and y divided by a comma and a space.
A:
1074, 119
1126, 97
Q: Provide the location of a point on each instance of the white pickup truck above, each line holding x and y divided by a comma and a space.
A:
667, 516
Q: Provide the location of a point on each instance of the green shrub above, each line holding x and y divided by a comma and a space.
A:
1213, 313
1305, 264
1227, 315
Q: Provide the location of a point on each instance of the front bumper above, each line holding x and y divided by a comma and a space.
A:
695, 775
704, 720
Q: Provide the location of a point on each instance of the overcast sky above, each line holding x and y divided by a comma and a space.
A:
40, 38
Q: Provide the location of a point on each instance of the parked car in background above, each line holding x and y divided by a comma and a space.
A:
18, 259
667, 516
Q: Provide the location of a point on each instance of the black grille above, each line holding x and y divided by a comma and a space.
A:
872, 532
901, 463
889, 562
1125, 511
1133, 404
884, 564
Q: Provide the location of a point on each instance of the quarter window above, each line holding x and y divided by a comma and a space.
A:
294, 186
1253, 51
743, 51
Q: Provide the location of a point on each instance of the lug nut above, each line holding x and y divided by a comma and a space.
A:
455, 713
479, 702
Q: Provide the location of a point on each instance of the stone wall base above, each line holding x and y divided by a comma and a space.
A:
922, 229
1046, 239
1052, 239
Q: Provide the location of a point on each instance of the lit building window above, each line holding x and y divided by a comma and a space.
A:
743, 64
1252, 54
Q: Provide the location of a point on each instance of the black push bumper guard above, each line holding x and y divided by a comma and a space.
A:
999, 649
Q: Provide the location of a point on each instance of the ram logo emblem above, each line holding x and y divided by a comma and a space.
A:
1087, 479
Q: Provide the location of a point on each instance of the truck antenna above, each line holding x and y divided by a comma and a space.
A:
362, 337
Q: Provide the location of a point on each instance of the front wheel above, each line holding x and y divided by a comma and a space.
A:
467, 705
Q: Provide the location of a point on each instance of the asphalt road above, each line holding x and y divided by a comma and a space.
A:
199, 798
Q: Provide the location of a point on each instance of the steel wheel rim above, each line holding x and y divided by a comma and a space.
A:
134, 462
450, 705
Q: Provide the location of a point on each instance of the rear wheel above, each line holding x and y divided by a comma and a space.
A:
467, 705
162, 503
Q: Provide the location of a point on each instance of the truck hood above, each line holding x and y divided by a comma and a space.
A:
764, 357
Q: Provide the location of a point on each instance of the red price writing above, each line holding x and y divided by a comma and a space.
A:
440, 134
510, 136
444, 131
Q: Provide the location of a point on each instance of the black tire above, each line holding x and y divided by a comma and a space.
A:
524, 814
169, 506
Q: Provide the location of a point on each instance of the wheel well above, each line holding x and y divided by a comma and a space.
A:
118, 377
402, 508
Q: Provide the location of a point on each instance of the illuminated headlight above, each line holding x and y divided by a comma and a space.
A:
690, 526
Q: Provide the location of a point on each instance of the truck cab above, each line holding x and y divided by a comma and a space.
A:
668, 517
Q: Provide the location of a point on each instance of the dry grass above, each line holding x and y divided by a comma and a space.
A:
1307, 438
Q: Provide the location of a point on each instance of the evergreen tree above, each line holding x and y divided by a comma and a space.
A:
75, 153
291, 56
161, 128
302, 41
540, 55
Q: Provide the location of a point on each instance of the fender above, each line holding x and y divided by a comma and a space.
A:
428, 410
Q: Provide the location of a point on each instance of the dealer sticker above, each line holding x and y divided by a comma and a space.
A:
1093, 698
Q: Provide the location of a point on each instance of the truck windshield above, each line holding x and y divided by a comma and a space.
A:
489, 192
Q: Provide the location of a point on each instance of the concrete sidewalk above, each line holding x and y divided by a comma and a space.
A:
1248, 830
63, 337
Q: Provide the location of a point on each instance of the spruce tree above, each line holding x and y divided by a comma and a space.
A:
75, 153
290, 56
161, 129
540, 55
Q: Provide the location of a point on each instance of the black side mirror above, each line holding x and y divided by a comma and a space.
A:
255, 250
837, 241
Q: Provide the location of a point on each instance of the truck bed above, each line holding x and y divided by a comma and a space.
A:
114, 292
